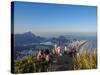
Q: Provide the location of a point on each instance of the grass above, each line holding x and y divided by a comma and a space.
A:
29, 64
85, 61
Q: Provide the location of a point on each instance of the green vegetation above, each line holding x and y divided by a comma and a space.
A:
85, 61
27, 64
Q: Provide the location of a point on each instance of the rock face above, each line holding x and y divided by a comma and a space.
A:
62, 63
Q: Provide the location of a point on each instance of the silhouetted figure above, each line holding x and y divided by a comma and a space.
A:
47, 59
73, 52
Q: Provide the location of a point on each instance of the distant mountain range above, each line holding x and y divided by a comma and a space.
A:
27, 38
30, 38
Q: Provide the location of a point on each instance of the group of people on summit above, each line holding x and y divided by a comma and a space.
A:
46, 55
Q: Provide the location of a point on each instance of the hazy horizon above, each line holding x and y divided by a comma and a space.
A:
56, 34
54, 18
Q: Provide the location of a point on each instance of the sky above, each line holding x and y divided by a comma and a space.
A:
54, 18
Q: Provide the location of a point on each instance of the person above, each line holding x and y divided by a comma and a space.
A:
47, 55
66, 50
73, 51
58, 50
40, 55
41, 60
47, 59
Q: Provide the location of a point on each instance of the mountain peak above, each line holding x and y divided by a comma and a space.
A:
29, 33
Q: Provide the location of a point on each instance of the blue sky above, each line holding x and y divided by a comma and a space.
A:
51, 18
